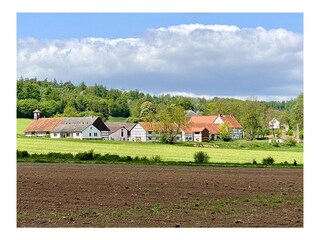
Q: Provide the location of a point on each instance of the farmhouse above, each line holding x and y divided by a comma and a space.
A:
149, 132
120, 131
198, 132
274, 124
212, 123
81, 127
42, 126
72, 127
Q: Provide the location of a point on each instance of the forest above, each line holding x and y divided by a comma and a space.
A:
55, 99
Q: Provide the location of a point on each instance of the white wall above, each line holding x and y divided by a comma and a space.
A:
55, 135
138, 133
218, 120
116, 136
93, 130
197, 137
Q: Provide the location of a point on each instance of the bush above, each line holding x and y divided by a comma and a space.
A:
290, 132
201, 157
22, 154
58, 155
290, 142
301, 134
254, 162
268, 161
156, 159
85, 155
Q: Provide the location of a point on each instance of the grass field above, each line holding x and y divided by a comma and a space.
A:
224, 154
22, 123
166, 152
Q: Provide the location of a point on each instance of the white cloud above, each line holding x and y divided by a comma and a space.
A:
201, 59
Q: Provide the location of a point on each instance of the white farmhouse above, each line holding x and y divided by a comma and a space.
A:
274, 124
81, 128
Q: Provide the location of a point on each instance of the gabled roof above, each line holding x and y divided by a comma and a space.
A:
150, 126
202, 119
210, 120
75, 124
43, 124
157, 126
113, 127
234, 123
198, 127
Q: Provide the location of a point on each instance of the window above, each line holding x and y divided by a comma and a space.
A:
121, 132
54, 134
95, 134
89, 134
77, 134
150, 132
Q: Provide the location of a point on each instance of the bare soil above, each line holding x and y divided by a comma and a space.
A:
122, 195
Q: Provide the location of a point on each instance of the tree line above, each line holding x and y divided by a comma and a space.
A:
67, 99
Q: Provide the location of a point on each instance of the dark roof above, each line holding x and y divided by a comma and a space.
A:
43, 124
75, 124
113, 127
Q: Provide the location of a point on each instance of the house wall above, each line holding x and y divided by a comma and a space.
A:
104, 135
138, 134
237, 133
37, 134
121, 134
197, 137
77, 135
91, 132
187, 137
218, 120
55, 135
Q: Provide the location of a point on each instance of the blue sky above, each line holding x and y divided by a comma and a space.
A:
121, 25
192, 54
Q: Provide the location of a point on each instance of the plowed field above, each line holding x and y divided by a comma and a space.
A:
92, 195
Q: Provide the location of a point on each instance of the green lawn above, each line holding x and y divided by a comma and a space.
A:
166, 152
233, 152
22, 123
117, 119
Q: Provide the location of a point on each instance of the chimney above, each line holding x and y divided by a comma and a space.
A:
36, 114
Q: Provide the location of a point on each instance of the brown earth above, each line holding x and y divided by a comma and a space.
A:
116, 195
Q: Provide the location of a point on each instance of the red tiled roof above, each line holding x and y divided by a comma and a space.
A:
150, 126
202, 119
234, 123
198, 127
43, 125
157, 126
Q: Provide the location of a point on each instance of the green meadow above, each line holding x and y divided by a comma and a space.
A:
223, 153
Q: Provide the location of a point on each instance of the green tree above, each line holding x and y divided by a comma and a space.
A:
49, 108
170, 122
225, 130
25, 107
69, 111
252, 117
147, 108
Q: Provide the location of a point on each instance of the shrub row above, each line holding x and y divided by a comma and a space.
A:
88, 156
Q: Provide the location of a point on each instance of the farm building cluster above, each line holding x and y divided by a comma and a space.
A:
198, 129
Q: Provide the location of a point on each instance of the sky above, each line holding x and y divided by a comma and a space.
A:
237, 55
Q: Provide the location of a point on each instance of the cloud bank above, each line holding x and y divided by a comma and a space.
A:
197, 59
